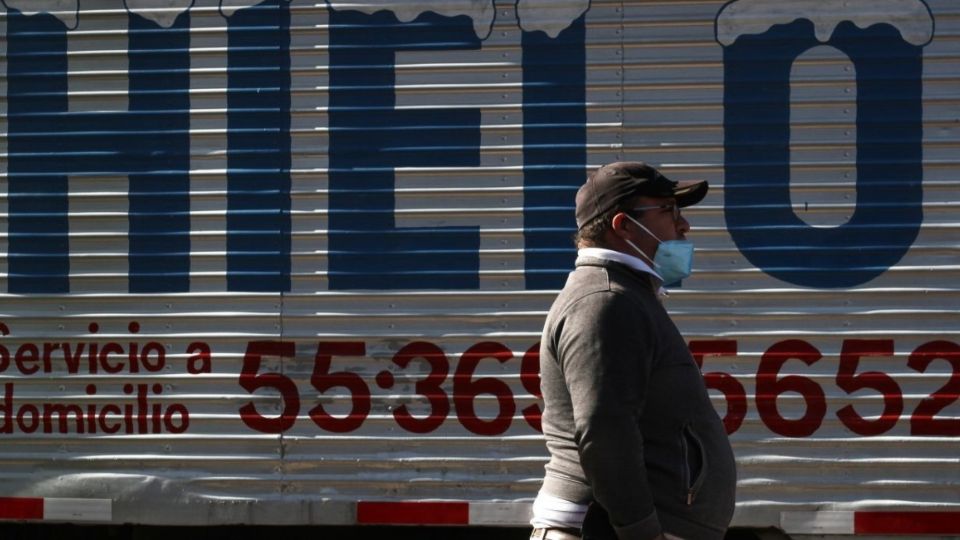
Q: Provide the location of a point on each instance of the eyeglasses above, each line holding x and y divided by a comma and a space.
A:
675, 210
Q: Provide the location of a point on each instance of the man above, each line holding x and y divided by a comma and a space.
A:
637, 450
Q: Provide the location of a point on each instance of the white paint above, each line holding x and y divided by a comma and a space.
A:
817, 522
533, 15
744, 17
98, 510
551, 17
162, 12
229, 7
65, 10
500, 513
483, 12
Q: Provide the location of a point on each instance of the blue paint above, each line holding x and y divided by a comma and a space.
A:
889, 199
369, 137
258, 156
36, 90
48, 143
160, 189
554, 150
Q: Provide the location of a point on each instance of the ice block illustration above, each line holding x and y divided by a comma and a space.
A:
884, 41
162, 12
551, 18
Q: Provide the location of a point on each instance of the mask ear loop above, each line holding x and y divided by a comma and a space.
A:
634, 246
641, 225
642, 254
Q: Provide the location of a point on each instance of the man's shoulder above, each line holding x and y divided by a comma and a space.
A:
610, 276
583, 282
592, 290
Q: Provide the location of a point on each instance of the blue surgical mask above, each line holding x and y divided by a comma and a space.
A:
673, 260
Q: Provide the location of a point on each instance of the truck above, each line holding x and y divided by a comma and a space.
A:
274, 262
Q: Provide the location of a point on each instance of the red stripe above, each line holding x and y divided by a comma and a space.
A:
21, 508
413, 513
906, 523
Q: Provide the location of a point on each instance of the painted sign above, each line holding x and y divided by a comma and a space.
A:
297, 255
369, 140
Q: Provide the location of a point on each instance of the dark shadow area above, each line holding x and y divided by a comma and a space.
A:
35, 531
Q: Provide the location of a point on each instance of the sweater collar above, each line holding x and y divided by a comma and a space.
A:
629, 261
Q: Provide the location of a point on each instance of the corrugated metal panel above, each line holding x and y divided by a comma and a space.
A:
430, 167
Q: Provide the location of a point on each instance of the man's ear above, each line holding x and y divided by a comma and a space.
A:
620, 224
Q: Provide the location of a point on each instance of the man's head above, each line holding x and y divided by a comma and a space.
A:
618, 190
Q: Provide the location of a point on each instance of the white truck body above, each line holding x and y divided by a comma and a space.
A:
287, 263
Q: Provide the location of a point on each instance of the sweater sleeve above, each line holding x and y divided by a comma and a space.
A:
605, 349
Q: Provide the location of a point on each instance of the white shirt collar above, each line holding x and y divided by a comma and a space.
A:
623, 258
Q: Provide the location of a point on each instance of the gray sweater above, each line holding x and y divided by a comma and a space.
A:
627, 418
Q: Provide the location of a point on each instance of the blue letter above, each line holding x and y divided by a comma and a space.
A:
159, 177
554, 150
149, 143
258, 149
369, 137
889, 208
37, 94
